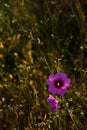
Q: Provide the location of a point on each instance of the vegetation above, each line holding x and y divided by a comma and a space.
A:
38, 38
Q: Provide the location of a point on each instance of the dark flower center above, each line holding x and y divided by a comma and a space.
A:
58, 83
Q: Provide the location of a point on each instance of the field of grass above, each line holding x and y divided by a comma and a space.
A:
39, 38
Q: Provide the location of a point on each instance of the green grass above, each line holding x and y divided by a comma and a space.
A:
36, 39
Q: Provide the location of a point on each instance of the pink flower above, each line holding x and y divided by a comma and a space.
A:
58, 83
53, 103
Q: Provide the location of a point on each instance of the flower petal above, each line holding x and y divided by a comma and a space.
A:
53, 103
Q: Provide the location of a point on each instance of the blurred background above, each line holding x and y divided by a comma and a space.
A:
38, 38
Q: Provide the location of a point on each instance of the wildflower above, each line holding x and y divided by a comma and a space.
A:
10, 76
58, 83
1, 56
31, 82
25, 62
4, 79
1, 45
1, 86
15, 54
9, 39
53, 103
2, 65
